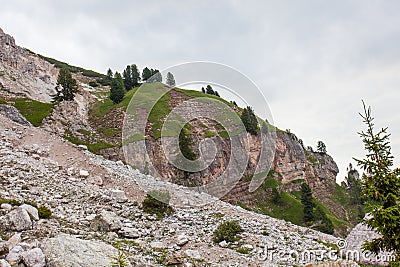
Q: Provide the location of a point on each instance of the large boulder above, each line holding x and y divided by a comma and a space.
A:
32, 211
65, 250
16, 220
106, 221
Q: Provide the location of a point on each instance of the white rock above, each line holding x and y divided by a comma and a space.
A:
15, 255
32, 211
17, 220
84, 147
157, 245
4, 263
34, 258
194, 254
129, 232
83, 173
6, 206
182, 240
223, 244
14, 240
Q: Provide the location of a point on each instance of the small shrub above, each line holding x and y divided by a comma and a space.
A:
25, 187
44, 212
227, 231
93, 84
121, 259
12, 202
157, 202
243, 250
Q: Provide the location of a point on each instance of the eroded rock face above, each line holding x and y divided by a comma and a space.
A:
23, 72
65, 250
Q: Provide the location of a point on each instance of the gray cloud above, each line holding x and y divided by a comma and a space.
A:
313, 60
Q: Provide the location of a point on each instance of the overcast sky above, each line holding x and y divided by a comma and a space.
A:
313, 60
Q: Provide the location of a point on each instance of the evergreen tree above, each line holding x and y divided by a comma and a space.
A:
323, 223
117, 88
203, 90
170, 79
216, 93
307, 201
276, 196
381, 188
135, 75
354, 186
110, 74
66, 86
128, 80
321, 147
249, 120
209, 90
146, 74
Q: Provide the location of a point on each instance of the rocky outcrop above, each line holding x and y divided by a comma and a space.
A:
65, 250
13, 114
23, 73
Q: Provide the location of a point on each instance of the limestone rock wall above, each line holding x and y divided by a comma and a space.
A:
23, 73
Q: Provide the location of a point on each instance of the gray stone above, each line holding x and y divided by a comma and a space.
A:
106, 221
129, 232
6, 206
65, 250
15, 255
157, 245
14, 240
182, 240
33, 212
16, 220
194, 254
34, 258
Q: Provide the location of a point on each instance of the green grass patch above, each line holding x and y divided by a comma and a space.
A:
2, 101
74, 69
289, 208
224, 134
209, 134
34, 111
95, 148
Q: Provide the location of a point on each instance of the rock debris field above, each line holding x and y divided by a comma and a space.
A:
97, 215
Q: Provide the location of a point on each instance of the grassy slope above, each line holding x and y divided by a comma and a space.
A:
34, 111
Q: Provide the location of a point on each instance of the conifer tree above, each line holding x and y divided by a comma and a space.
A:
321, 147
66, 86
209, 90
127, 77
117, 90
307, 201
381, 188
249, 120
135, 75
146, 74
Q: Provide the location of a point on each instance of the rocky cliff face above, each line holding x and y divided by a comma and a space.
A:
23, 73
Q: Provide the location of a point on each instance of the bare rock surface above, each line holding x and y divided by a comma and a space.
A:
65, 250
